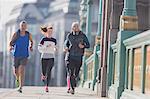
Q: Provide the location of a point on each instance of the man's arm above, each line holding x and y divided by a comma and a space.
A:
13, 39
11, 44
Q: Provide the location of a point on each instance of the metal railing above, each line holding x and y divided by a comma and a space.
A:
92, 64
137, 63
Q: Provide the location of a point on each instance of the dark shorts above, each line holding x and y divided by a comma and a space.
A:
20, 61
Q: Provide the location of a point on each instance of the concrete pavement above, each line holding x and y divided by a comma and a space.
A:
54, 93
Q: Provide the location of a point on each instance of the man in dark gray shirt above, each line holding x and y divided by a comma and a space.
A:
75, 43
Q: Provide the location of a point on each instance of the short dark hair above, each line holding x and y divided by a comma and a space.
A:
23, 22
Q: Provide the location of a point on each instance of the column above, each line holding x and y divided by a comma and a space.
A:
82, 13
89, 19
97, 44
131, 68
143, 68
129, 19
83, 16
127, 68
128, 28
88, 52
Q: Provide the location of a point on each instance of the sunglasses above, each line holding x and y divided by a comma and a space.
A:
50, 28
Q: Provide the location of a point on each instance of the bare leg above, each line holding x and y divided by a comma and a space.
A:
16, 73
21, 75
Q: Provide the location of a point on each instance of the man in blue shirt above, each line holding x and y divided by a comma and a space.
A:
20, 44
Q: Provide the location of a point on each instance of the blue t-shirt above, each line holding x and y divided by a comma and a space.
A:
21, 45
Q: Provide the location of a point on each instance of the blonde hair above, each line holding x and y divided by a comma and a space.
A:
75, 23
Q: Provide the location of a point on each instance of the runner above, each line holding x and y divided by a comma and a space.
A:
76, 42
47, 48
67, 68
20, 43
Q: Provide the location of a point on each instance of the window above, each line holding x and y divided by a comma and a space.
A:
137, 69
147, 82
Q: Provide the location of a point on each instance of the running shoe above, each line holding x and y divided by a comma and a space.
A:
46, 89
68, 91
20, 90
43, 78
72, 91
17, 83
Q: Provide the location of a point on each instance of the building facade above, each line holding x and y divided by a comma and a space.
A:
129, 78
59, 13
34, 14
123, 68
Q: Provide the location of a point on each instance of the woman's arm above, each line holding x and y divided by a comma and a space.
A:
31, 40
86, 42
66, 44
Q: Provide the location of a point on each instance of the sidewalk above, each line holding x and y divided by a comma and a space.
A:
54, 93
5, 90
